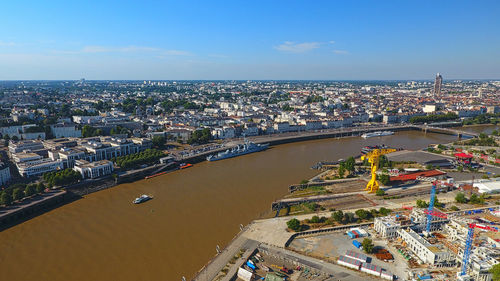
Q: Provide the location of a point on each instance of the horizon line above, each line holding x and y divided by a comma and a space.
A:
332, 80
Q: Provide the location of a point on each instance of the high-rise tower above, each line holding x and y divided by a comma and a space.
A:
437, 84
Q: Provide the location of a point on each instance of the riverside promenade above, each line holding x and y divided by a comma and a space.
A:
282, 138
30, 206
214, 267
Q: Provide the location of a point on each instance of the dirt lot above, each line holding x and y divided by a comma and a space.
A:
350, 186
350, 202
275, 263
331, 246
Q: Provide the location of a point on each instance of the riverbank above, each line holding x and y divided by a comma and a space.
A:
284, 138
90, 186
44, 202
194, 210
33, 206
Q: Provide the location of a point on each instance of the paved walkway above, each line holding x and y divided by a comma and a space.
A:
210, 271
30, 202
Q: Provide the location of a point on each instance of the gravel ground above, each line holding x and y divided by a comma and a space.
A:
335, 244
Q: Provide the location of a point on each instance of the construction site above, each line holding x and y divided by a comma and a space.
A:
380, 235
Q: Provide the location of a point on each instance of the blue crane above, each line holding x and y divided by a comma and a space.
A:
468, 243
430, 209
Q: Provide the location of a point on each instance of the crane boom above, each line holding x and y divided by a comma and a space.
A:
468, 243
374, 158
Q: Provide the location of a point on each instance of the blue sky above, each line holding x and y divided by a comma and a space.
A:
270, 39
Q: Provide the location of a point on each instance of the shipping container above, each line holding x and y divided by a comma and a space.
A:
356, 244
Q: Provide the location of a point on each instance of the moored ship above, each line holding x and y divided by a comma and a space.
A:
369, 148
246, 148
377, 134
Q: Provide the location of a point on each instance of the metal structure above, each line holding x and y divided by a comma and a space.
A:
469, 241
430, 209
374, 159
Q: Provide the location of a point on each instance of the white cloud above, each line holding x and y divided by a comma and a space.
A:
218, 56
7, 44
176, 53
331, 42
293, 47
133, 49
340, 52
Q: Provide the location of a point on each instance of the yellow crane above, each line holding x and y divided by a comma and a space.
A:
374, 158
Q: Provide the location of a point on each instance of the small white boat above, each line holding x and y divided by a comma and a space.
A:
142, 198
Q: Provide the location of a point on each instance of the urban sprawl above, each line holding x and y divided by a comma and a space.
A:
59, 134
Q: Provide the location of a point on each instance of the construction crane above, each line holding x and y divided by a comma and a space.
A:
374, 158
430, 210
468, 243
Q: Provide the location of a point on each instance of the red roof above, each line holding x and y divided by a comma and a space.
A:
413, 176
463, 155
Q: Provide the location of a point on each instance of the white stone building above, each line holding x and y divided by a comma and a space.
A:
92, 170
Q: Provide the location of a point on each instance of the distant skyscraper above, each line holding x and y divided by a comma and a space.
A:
437, 84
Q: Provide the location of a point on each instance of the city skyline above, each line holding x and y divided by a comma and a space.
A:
259, 41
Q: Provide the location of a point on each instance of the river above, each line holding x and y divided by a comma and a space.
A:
105, 237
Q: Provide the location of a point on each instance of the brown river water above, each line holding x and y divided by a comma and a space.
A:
105, 237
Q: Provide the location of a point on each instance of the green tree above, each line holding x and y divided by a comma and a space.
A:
341, 171
474, 199
384, 162
434, 118
294, 224
158, 141
483, 136
454, 208
495, 271
368, 245
380, 192
40, 187
87, 131
338, 216
385, 179
362, 214
460, 198
315, 219
200, 136
349, 218
6, 198
384, 211
17, 194
422, 204
494, 133
30, 190
350, 164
